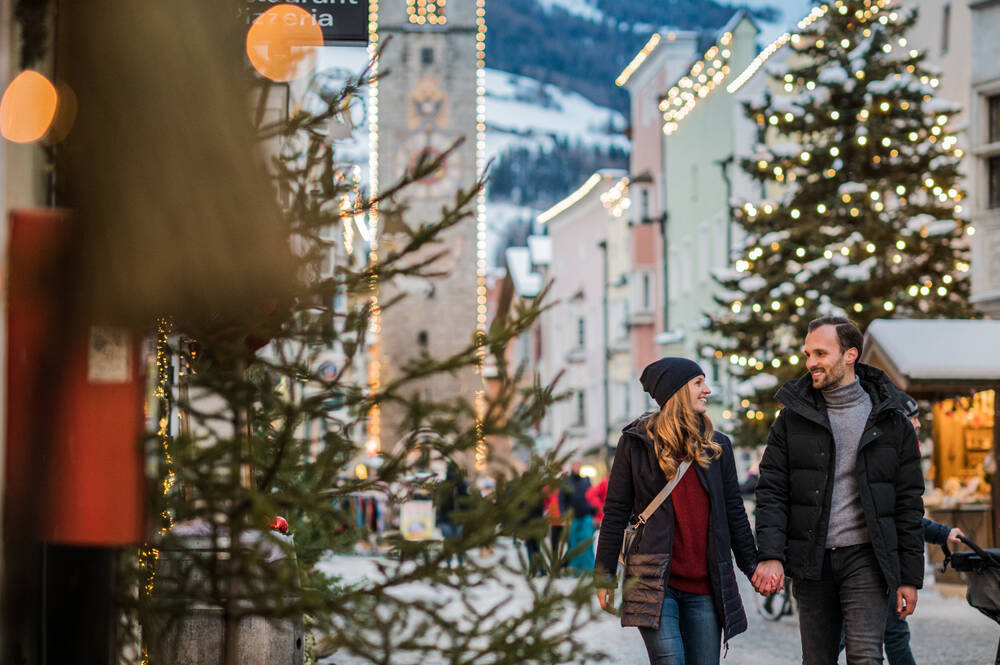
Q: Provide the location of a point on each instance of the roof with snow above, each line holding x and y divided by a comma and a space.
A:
935, 355
527, 283
605, 175
541, 250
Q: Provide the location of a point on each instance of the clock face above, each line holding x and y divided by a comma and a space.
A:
444, 181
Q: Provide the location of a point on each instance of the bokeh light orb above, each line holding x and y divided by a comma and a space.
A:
28, 107
282, 41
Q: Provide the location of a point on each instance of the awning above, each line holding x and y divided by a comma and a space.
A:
933, 356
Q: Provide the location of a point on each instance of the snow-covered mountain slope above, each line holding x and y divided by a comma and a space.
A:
521, 111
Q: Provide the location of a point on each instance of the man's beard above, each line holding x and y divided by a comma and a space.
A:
829, 378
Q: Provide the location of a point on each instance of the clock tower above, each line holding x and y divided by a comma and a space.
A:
428, 99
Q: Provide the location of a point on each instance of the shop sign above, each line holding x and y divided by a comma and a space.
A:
342, 21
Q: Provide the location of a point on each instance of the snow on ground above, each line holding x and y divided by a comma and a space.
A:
945, 629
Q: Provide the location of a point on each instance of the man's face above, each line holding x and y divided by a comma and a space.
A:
827, 364
576, 466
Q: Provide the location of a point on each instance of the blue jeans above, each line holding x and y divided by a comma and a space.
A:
453, 532
689, 632
582, 531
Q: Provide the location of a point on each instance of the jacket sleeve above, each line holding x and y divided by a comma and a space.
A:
617, 511
935, 533
909, 509
740, 536
773, 494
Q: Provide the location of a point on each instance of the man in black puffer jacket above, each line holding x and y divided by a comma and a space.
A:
839, 500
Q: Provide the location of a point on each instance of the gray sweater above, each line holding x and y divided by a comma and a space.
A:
848, 407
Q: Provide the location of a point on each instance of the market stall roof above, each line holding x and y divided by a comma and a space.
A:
935, 355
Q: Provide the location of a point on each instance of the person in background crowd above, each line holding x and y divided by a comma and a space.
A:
555, 515
581, 529
897, 631
450, 499
596, 496
686, 599
839, 500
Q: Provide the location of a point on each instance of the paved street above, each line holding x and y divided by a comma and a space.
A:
946, 631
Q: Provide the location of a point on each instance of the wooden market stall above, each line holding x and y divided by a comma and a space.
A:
953, 365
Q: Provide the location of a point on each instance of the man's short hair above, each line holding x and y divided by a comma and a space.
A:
848, 334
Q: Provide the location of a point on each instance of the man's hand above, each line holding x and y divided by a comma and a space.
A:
769, 577
906, 601
954, 534
606, 597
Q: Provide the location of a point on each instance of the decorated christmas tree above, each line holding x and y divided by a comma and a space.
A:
863, 214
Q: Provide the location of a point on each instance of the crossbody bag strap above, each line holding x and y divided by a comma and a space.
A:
665, 492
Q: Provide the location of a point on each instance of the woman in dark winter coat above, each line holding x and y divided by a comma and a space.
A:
680, 585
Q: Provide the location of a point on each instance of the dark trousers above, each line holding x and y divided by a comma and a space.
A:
897, 637
851, 595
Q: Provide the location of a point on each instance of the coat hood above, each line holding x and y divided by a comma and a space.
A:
637, 428
800, 396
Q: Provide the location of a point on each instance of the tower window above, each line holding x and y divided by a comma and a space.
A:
422, 339
426, 56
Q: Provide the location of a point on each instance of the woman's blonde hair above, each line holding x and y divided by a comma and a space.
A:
679, 433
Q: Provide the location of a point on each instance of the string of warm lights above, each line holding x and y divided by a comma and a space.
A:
482, 452
480, 165
639, 58
570, 200
700, 80
426, 11
773, 48
616, 199
373, 440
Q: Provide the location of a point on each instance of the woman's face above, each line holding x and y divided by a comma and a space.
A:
699, 394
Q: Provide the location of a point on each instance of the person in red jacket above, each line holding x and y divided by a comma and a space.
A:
596, 496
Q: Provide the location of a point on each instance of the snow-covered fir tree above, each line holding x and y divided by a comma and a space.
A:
864, 216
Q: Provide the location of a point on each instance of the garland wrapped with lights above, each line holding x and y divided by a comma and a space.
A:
864, 215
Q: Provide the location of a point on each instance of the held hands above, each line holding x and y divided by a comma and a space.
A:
769, 577
606, 597
906, 601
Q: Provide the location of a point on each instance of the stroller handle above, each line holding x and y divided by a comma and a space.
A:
987, 557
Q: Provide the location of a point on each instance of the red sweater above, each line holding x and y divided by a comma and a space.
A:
689, 563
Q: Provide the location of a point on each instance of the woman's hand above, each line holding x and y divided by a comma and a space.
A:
606, 597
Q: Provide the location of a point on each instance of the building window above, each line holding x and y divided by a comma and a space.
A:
945, 27
993, 182
581, 337
646, 295
645, 203
422, 339
426, 56
993, 118
581, 409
